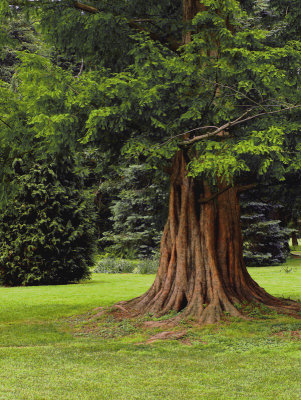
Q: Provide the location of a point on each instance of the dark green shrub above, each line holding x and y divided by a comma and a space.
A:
46, 232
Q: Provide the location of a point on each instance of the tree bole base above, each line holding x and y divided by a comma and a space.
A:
201, 272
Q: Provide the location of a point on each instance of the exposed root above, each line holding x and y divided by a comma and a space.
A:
207, 313
202, 274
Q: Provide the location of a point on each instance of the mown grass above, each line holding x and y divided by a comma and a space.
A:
41, 358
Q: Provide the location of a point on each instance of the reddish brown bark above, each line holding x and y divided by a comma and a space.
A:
201, 270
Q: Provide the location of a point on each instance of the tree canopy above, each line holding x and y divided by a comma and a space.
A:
231, 95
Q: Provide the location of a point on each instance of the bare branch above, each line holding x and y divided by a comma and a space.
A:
239, 120
217, 131
186, 133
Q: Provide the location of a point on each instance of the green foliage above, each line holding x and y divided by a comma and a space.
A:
163, 95
138, 212
19, 34
105, 38
265, 239
230, 66
46, 232
136, 97
285, 15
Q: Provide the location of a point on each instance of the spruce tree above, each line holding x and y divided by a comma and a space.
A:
265, 240
137, 212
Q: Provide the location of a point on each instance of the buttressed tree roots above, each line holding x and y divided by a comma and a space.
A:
201, 271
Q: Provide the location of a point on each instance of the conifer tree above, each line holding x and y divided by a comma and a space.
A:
137, 212
265, 240
46, 232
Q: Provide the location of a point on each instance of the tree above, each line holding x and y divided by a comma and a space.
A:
201, 271
137, 211
47, 231
265, 240
224, 108
46, 235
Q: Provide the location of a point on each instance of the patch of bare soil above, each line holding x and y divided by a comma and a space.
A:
293, 335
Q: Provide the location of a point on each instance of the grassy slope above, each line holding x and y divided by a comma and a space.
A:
41, 359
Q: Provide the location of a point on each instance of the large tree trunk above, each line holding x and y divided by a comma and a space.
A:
201, 270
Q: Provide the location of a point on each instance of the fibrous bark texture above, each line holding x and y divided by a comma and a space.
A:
201, 270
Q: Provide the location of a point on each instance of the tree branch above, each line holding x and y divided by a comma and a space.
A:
239, 120
206, 200
85, 7
81, 69
186, 133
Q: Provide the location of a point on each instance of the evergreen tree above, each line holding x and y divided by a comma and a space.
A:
265, 240
138, 212
46, 232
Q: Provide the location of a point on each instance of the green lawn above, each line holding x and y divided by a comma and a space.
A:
40, 357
